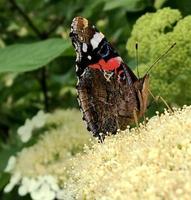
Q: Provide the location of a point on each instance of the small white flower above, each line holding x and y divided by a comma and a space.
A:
25, 131
34, 184
39, 120
22, 191
8, 187
13, 181
30, 183
11, 164
52, 182
43, 192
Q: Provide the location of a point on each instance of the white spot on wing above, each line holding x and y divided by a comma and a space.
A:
75, 46
78, 80
83, 73
77, 56
89, 57
97, 38
77, 68
84, 47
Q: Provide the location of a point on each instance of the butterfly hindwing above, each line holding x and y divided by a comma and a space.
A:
106, 86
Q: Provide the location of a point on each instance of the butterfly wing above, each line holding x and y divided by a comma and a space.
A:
93, 50
105, 84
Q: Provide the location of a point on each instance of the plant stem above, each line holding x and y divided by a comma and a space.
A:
42, 36
44, 87
25, 17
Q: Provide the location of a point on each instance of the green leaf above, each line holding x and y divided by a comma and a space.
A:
27, 57
128, 5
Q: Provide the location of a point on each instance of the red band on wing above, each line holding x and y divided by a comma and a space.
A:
110, 65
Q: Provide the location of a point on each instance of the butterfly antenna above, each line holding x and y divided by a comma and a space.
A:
137, 57
160, 57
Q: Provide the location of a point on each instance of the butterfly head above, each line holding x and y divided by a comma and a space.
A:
81, 30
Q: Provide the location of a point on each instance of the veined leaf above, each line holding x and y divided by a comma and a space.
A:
27, 57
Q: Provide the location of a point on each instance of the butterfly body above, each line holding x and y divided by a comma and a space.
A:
109, 93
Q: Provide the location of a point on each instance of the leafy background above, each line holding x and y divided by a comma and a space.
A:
37, 59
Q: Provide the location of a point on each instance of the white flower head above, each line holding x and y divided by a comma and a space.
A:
39, 120
22, 191
13, 182
25, 131
11, 164
43, 192
43, 187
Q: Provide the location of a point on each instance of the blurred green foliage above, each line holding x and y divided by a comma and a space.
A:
155, 32
37, 77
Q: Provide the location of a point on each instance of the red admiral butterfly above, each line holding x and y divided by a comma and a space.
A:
109, 93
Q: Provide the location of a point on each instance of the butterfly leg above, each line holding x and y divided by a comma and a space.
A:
157, 98
101, 138
145, 120
136, 118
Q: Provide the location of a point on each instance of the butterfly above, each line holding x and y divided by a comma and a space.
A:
109, 93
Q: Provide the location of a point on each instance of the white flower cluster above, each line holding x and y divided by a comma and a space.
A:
38, 121
152, 162
41, 170
11, 164
15, 178
42, 187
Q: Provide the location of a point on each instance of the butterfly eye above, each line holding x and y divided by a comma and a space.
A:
104, 51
